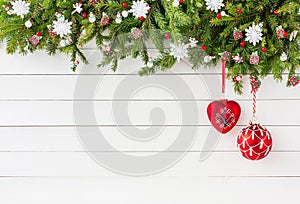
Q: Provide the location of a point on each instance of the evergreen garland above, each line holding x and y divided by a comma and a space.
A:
220, 33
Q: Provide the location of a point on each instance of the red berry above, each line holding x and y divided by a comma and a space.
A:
124, 5
264, 49
219, 16
142, 18
239, 11
276, 12
39, 34
204, 48
180, 1
285, 34
84, 15
167, 35
242, 44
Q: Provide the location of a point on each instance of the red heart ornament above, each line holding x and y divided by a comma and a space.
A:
223, 114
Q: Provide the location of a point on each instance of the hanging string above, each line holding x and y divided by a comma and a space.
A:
255, 85
254, 104
225, 58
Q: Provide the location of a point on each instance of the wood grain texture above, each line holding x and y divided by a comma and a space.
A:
43, 113
65, 139
147, 190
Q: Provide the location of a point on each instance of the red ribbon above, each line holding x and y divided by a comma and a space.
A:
223, 76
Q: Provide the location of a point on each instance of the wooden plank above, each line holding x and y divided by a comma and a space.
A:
59, 64
41, 113
158, 87
65, 139
71, 164
147, 190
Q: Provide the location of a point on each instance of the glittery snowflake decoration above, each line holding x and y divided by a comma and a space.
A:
77, 7
214, 5
140, 9
20, 8
254, 33
193, 42
179, 51
62, 27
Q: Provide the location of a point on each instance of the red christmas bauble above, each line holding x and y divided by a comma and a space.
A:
276, 12
204, 48
285, 34
239, 11
124, 5
223, 114
142, 18
167, 35
242, 44
84, 15
180, 1
219, 16
254, 142
264, 49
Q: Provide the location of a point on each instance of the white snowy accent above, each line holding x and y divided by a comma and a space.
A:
92, 18
261, 132
179, 51
261, 144
214, 5
223, 13
77, 8
20, 8
208, 58
193, 42
125, 14
254, 34
139, 9
283, 57
28, 24
175, 3
293, 35
62, 27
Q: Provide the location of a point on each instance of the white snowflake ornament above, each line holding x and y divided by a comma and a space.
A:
193, 42
140, 9
179, 51
77, 7
62, 27
254, 33
21, 8
214, 5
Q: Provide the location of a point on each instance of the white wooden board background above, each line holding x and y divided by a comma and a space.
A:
42, 160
